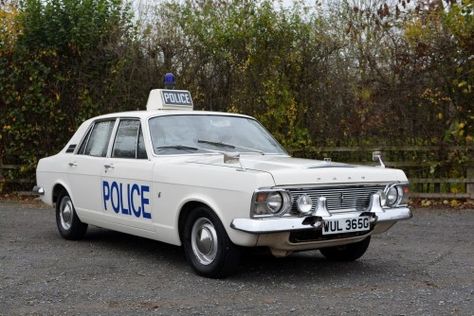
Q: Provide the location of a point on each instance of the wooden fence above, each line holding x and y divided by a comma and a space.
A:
431, 174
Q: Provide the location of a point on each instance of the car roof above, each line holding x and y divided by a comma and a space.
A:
149, 114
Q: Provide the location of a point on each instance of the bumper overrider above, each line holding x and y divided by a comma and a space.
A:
37, 190
378, 215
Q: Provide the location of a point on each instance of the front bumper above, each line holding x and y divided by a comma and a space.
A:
284, 224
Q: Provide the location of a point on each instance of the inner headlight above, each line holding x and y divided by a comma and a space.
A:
304, 204
271, 202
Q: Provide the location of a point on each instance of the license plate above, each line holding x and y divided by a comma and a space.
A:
346, 225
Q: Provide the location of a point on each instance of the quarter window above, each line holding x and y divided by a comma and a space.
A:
99, 139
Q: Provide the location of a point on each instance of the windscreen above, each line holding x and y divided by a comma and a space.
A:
183, 134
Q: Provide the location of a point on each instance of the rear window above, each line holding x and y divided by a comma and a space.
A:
97, 141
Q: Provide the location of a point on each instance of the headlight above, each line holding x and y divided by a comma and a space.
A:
392, 196
304, 204
274, 202
396, 195
270, 202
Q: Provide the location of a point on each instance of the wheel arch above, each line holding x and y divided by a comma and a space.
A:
186, 209
57, 189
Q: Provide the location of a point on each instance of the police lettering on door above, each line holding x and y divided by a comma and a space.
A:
128, 199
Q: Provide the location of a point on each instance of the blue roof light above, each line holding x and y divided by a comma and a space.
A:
169, 81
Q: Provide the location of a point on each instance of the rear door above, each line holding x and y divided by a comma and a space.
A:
127, 185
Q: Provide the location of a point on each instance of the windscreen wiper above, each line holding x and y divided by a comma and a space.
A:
221, 144
179, 147
218, 144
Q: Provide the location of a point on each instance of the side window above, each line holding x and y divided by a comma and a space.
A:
141, 151
125, 145
98, 140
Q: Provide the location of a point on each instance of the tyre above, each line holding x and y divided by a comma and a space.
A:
349, 252
207, 247
69, 225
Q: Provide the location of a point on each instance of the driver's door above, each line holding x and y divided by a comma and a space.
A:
127, 180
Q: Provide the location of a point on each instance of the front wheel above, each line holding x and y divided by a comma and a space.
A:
69, 225
206, 245
349, 252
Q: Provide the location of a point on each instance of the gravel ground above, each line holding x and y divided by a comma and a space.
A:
424, 266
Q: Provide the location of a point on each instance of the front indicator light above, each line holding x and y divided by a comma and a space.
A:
403, 193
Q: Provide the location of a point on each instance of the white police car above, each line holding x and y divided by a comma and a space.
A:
214, 183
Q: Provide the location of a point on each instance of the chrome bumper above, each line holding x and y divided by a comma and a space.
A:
317, 219
38, 190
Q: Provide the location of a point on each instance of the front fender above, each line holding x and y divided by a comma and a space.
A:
237, 237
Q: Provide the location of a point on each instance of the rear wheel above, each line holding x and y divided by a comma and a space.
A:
349, 252
69, 225
206, 245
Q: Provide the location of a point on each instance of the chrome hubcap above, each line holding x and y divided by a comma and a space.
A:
66, 212
204, 240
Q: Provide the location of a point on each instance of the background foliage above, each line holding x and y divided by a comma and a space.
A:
347, 72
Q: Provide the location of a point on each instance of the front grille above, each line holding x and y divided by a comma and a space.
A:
339, 198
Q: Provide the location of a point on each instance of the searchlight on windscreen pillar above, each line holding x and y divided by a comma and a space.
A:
168, 98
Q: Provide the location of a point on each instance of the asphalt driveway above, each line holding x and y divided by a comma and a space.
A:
424, 266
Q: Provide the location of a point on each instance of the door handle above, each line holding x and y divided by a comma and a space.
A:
109, 166
72, 164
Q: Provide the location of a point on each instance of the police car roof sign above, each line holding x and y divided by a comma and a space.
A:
161, 99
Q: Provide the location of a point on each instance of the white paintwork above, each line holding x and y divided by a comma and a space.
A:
289, 171
175, 180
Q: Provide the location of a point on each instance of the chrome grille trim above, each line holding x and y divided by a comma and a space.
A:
355, 197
